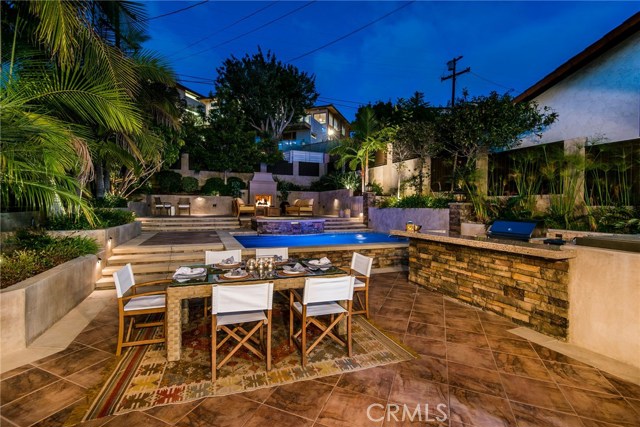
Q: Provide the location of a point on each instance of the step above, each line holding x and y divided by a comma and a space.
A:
189, 228
136, 259
153, 249
106, 282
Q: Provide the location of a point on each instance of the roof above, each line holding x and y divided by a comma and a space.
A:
609, 41
183, 87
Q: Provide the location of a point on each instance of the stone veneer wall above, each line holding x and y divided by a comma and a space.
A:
383, 257
529, 290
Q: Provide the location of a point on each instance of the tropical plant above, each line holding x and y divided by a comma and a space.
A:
168, 182
104, 218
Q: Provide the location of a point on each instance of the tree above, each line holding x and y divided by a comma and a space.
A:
268, 93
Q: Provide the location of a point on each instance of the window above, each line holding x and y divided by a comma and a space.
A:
308, 169
281, 168
320, 117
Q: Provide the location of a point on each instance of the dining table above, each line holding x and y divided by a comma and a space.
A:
179, 292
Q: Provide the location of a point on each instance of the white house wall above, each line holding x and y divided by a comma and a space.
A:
601, 99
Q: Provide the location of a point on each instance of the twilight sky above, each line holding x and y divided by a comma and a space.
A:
508, 45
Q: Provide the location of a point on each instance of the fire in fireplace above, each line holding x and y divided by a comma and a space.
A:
263, 200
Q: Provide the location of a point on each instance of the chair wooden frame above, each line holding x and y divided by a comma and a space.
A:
297, 209
239, 207
245, 338
159, 204
326, 328
184, 203
131, 293
361, 270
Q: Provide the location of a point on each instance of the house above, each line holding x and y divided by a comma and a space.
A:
193, 99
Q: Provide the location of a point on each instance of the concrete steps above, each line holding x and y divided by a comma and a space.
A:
188, 223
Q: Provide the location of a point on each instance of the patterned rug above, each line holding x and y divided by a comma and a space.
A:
143, 377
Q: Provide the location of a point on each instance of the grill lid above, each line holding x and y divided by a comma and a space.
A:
513, 230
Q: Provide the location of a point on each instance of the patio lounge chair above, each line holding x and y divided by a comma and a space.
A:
184, 203
301, 206
239, 207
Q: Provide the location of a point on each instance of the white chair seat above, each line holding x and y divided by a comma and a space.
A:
359, 284
320, 308
240, 317
145, 302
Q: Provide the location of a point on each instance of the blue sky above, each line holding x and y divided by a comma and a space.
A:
508, 45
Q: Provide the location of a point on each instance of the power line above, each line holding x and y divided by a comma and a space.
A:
175, 11
492, 82
250, 31
197, 77
225, 28
343, 100
351, 33
451, 65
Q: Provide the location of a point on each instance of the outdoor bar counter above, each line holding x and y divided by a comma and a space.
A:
525, 282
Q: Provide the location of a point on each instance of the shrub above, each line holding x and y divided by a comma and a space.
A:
168, 182
213, 187
416, 201
241, 184
30, 253
105, 218
110, 201
190, 185
376, 188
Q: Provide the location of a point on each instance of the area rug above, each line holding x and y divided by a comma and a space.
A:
143, 378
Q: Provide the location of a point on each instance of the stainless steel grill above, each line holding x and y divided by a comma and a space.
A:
512, 230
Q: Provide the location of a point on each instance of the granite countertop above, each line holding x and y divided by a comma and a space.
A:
513, 247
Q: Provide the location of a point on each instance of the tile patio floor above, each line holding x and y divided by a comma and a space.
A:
485, 375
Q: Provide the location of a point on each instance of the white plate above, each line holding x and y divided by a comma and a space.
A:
292, 272
234, 264
316, 263
234, 276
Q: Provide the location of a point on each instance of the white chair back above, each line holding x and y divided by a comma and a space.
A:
269, 252
361, 264
214, 257
231, 299
321, 289
124, 280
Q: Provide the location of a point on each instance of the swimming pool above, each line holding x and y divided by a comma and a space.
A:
327, 239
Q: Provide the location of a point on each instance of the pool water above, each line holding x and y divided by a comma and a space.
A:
327, 239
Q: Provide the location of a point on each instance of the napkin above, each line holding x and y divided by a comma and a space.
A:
297, 268
228, 261
183, 274
277, 258
320, 262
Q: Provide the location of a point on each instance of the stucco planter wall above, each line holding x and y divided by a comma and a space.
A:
30, 307
200, 205
387, 219
118, 235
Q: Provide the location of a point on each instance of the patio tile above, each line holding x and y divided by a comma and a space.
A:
214, 411
424, 368
530, 416
15, 371
472, 339
171, 414
58, 418
479, 409
93, 375
135, 419
625, 388
522, 366
46, 402
393, 312
587, 422
535, 392
303, 398
599, 406
395, 303
330, 379
266, 415
259, 395
548, 354
414, 391
75, 362
475, 379
512, 346
347, 409
436, 319
24, 383
580, 376
500, 330
425, 330
96, 335
72, 348
471, 325
390, 324
374, 382
426, 347
487, 316
470, 356
97, 422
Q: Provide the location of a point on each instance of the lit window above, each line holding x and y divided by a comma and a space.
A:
320, 117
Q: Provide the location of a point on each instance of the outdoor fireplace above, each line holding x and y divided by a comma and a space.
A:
263, 200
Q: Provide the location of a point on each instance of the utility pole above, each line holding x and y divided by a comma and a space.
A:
451, 65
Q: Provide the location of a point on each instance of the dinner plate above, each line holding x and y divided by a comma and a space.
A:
316, 263
234, 265
234, 276
292, 272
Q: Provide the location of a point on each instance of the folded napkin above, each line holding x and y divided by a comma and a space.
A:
277, 258
321, 261
236, 272
229, 260
298, 268
183, 274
